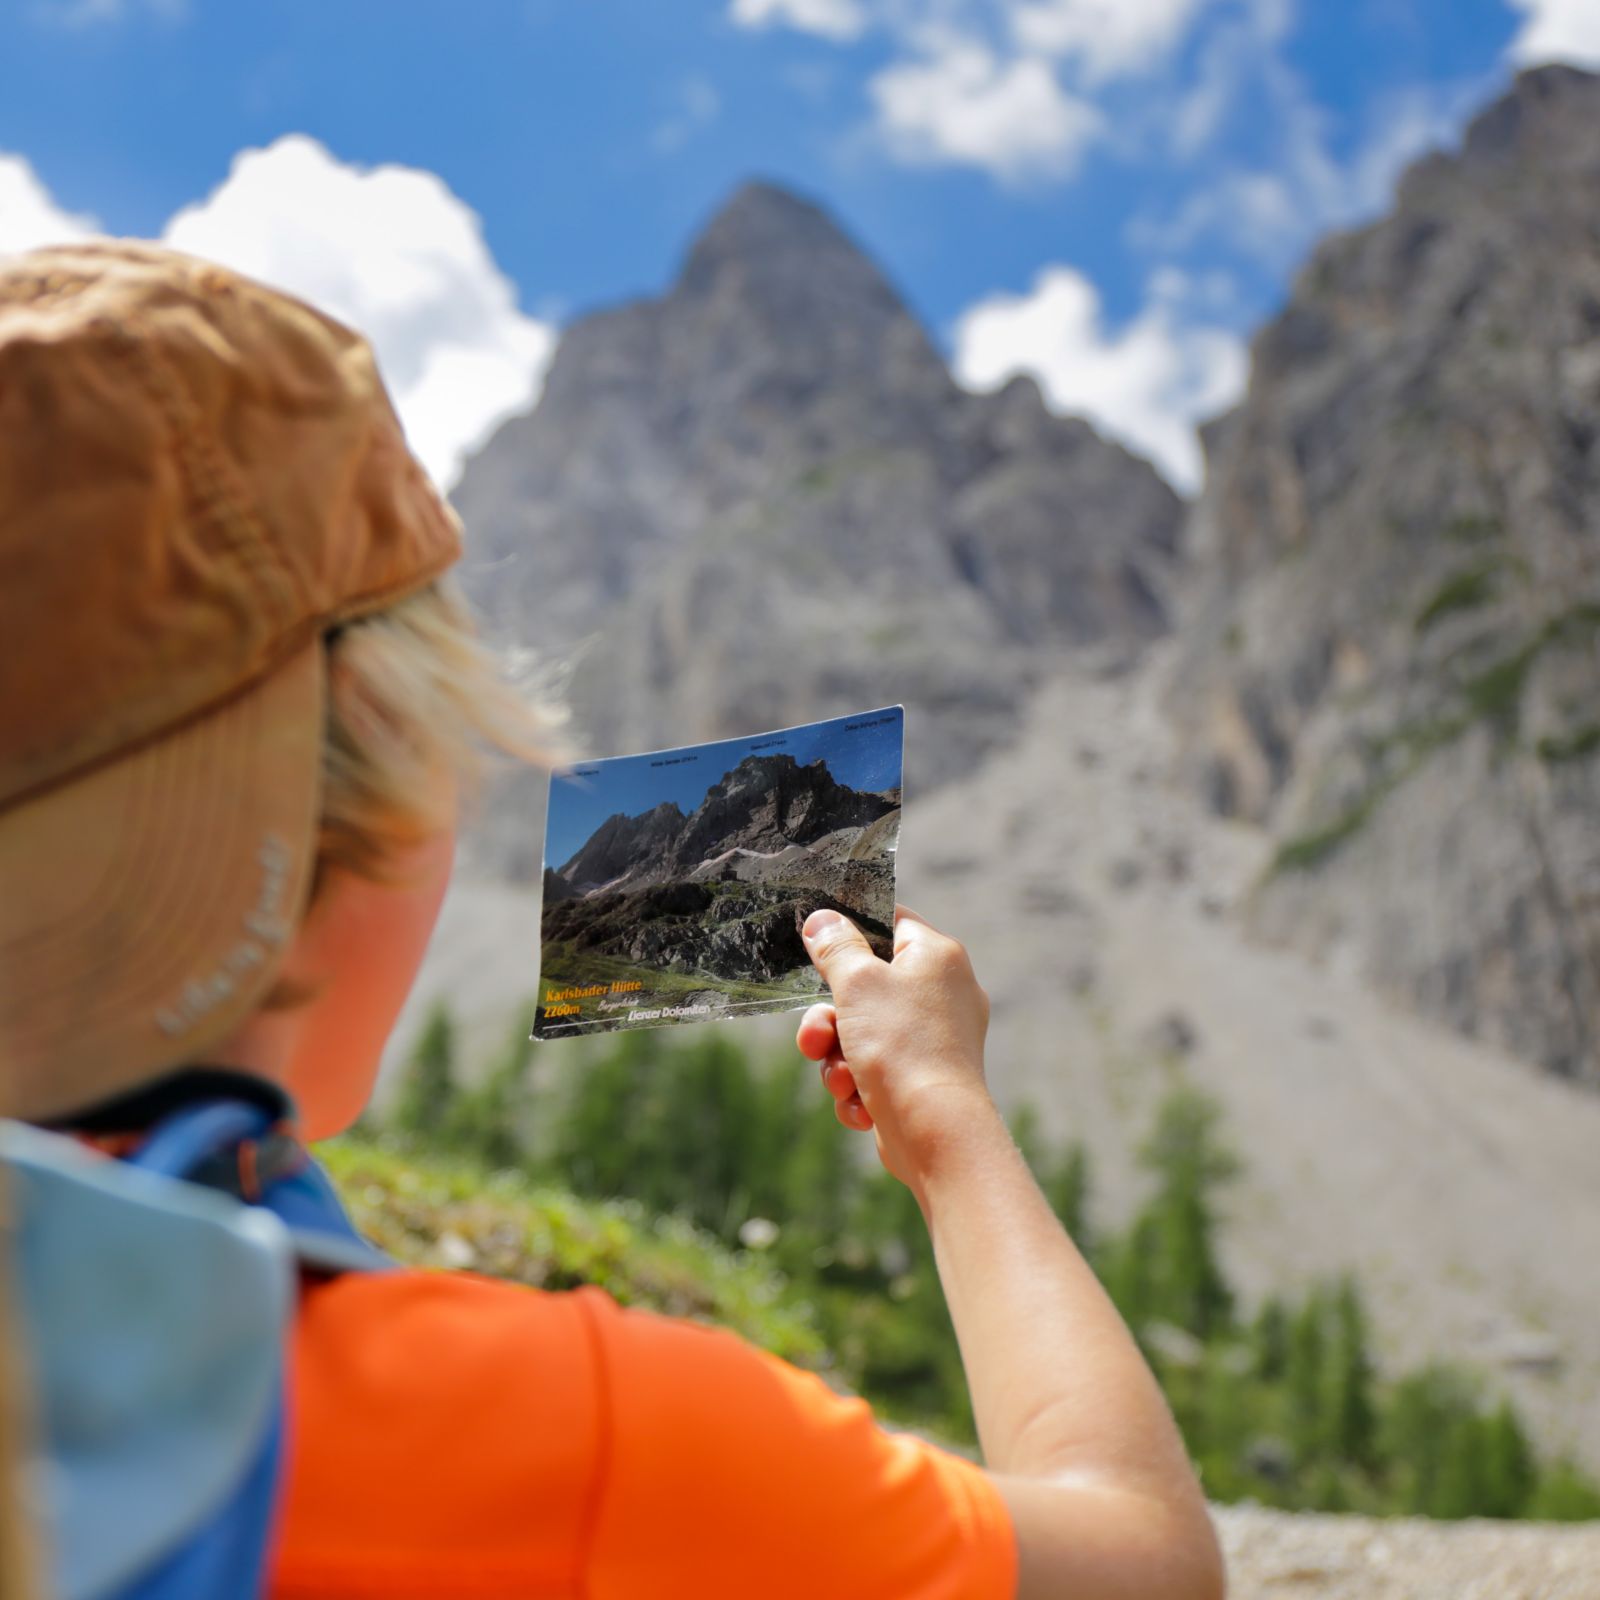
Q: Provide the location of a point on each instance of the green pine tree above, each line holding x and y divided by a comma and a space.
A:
593, 1139
427, 1091
1564, 1494
1510, 1474
1303, 1378
1186, 1284
1269, 1340
488, 1121
1349, 1416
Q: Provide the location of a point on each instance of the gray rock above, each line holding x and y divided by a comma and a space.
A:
762, 499
1391, 627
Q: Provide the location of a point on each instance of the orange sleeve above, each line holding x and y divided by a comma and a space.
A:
727, 1471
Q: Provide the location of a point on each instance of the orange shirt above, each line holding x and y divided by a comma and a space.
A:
454, 1436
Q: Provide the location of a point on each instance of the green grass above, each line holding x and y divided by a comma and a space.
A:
1462, 591
1574, 746
567, 967
1493, 695
1496, 692
1307, 851
435, 1211
1473, 527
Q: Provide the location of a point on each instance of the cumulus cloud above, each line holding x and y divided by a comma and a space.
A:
1146, 384
28, 216
88, 13
392, 251
1558, 30
830, 19
1106, 37
1274, 214
697, 105
961, 104
1006, 86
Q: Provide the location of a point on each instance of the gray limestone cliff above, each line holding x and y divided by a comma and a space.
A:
1391, 650
761, 499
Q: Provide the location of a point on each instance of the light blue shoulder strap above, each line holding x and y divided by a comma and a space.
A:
154, 1316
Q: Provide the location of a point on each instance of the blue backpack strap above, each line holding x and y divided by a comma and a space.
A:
241, 1150
155, 1312
153, 1319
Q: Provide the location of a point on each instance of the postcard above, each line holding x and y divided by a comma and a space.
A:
676, 882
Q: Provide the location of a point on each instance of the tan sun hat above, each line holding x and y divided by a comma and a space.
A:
199, 476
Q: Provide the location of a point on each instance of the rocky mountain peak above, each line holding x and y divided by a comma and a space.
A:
763, 228
619, 840
762, 499
773, 274
1549, 117
771, 800
765, 804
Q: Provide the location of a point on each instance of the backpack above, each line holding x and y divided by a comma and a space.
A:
153, 1308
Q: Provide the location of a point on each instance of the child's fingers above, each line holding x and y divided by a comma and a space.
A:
837, 1078
818, 1033
853, 1114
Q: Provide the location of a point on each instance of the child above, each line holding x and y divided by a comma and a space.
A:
239, 706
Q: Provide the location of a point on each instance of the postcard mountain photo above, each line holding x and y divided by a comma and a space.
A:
676, 883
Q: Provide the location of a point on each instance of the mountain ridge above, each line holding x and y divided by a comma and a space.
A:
761, 498
764, 800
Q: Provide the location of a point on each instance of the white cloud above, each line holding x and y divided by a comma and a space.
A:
963, 105
1147, 384
1558, 30
88, 13
1107, 38
1230, 59
830, 19
697, 106
1015, 87
28, 216
1274, 214
392, 251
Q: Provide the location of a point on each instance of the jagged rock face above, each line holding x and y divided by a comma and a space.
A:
1391, 650
752, 933
620, 841
725, 891
761, 500
762, 807
770, 801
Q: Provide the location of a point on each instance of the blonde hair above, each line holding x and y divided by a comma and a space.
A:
418, 707
416, 697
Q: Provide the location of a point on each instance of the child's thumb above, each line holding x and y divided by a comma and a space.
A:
837, 946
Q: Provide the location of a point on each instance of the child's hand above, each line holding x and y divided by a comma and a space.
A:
901, 1047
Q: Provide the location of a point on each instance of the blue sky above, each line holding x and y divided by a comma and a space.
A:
1109, 193
862, 752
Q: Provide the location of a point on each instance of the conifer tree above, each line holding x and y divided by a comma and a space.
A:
1564, 1494
1186, 1282
1303, 1378
486, 1122
1509, 1472
427, 1090
1349, 1416
592, 1143
1269, 1340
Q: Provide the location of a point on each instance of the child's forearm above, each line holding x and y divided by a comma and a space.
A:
1057, 1383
